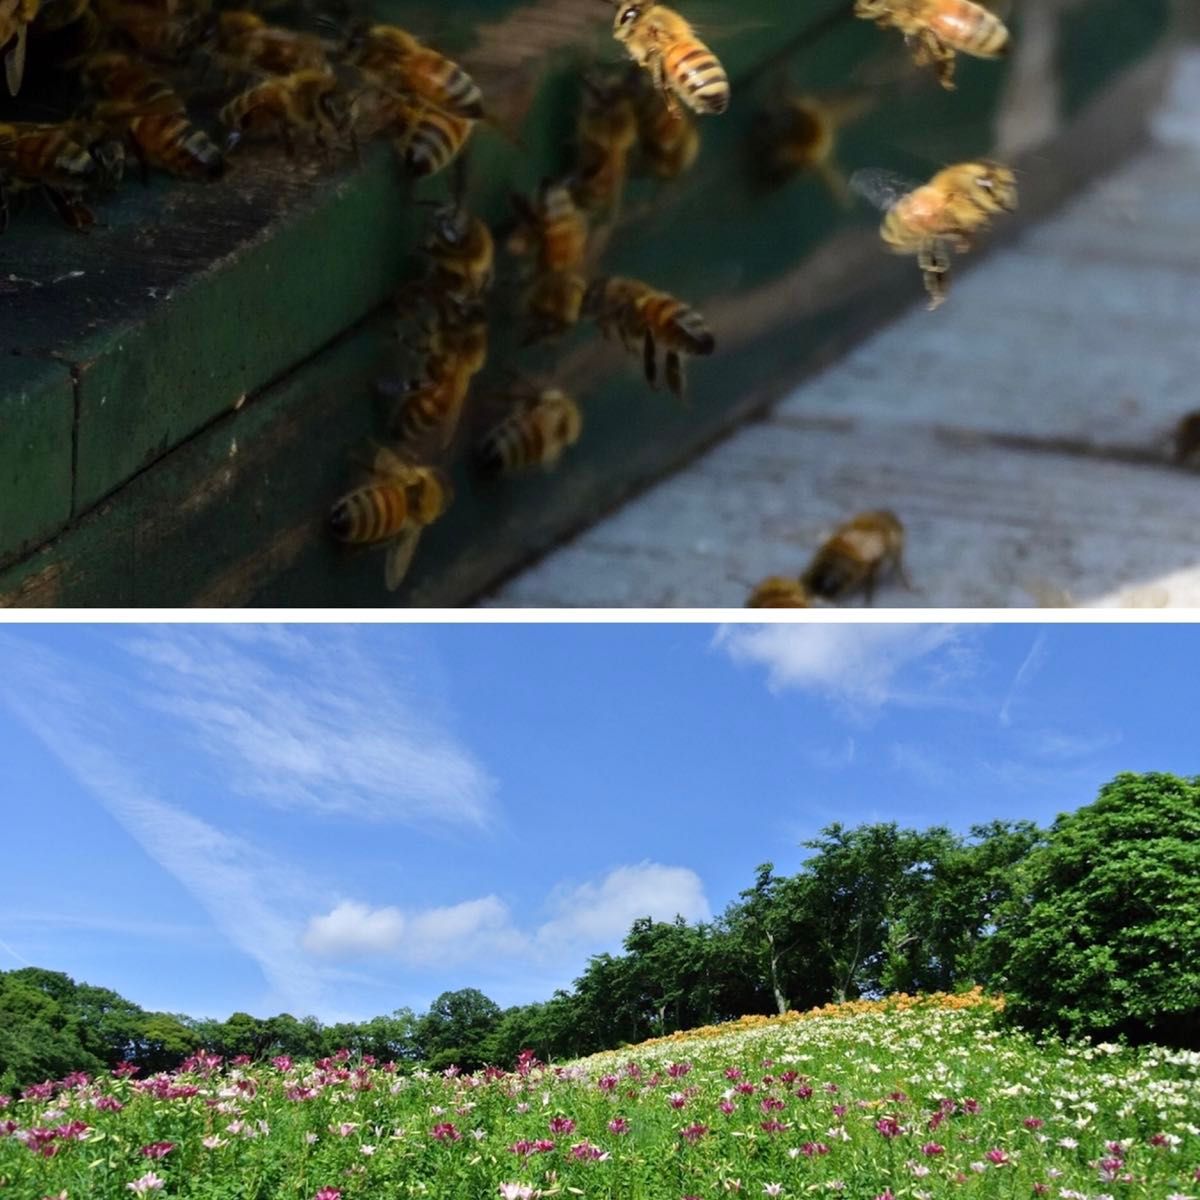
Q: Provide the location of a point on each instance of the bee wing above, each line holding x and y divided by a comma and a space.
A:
391, 464
14, 62
399, 557
882, 188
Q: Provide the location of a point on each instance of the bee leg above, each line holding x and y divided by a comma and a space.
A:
675, 373
934, 261
934, 50
650, 359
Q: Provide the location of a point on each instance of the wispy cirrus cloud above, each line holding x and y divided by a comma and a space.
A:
280, 718
1031, 664
860, 666
586, 916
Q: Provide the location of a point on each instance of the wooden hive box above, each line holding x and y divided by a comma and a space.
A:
183, 391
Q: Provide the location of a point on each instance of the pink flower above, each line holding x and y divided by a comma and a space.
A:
809, 1149
543, 1146
157, 1149
679, 1070
328, 1193
733, 1073
694, 1132
804, 1092
1033, 1122
618, 1125
886, 1194
727, 1107
125, 1069
524, 1147
770, 1103
996, 1157
587, 1152
148, 1182
931, 1149
773, 1126
445, 1131
1041, 1189
676, 1099
888, 1126
608, 1083
970, 1106
108, 1104
561, 1124
517, 1191
282, 1062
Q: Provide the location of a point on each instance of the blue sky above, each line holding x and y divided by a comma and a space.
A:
341, 820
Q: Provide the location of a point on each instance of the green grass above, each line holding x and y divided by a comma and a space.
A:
916, 1099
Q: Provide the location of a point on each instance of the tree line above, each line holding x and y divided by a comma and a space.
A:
1090, 927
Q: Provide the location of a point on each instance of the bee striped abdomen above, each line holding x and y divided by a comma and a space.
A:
698, 75
370, 514
677, 325
969, 27
511, 446
444, 83
433, 141
177, 146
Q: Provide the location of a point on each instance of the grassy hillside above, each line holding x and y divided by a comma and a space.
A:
911, 1097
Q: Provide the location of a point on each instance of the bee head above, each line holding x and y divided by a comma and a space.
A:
628, 13
997, 185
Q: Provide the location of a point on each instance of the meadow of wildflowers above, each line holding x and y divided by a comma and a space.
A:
884, 1101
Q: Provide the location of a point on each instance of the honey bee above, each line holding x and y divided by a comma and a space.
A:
64, 160
543, 424
427, 139
462, 255
778, 592
455, 351
15, 18
396, 63
800, 134
939, 216
937, 29
164, 29
636, 312
681, 66
393, 507
154, 116
1187, 441
553, 302
306, 102
668, 140
607, 132
244, 42
856, 554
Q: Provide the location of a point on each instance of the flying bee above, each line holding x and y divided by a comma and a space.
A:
462, 255
396, 63
607, 132
937, 29
680, 64
668, 139
939, 216
15, 18
551, 228
1187, 441
637, 313
394, 506
244, 43
778, 592
856, 554
543, 423
454, 352
153, 115
305, 102
800, 134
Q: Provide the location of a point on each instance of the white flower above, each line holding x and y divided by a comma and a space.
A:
772, 1189
148, 1182
367, 1150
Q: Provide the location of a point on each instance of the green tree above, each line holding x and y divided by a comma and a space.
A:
1102, 935
455, 1029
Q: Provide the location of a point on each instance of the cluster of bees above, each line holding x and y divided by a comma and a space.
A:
134, 61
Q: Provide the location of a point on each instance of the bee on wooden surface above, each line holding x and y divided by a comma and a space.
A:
778, 592
34, 155
937, 29
939, 216
544, 422
1187, 441
681, 66
668, 138
242, 42
427, 139
639, 314
154, 116
462, 255
15, 18
399, 500
396, 63
606, 133
306, 102
454, 351
800, 134
856, 555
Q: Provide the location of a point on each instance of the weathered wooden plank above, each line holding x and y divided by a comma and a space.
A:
37, 410
988, 525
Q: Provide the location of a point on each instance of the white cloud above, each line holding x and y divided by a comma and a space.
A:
1058, 746
921, 764
858, 665
585, 918
1030, 666
315, 723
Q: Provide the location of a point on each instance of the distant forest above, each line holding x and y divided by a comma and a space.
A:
1091, 926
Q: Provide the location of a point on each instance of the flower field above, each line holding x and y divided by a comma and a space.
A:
907, 1098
